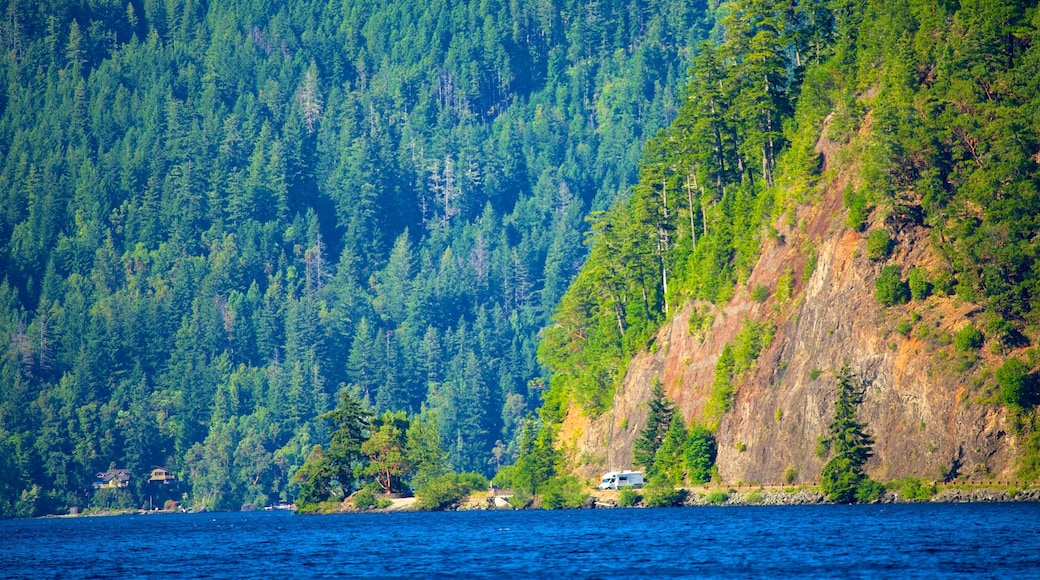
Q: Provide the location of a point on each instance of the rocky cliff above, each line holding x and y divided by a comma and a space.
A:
929, 407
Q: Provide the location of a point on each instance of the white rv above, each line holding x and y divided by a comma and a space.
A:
620, 479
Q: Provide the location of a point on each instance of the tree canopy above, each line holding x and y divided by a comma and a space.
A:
218, 214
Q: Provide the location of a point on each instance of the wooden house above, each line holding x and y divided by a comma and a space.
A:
161, 475
112, 479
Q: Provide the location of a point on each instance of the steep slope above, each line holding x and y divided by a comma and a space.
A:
928, 418
889, 229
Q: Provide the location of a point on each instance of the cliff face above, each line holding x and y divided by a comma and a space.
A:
929, 408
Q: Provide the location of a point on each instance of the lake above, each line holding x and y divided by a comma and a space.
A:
827, 541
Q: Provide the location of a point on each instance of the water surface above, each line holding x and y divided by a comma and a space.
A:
872, 541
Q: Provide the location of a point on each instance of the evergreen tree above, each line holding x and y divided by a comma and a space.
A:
700, 453
423, 450
658, 420
851, 445
350, 423
669, 460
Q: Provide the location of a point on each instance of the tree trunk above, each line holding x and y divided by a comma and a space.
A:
689, 199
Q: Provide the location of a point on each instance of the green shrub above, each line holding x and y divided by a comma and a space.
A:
661, 493
700, 322
112, 499
717, 497
790, 474
760, 293
944, 282
890, 289
904, 327
785, 285
815, 374
520, 499
471, 481
920, 287
754, 496
364, 499
563, 492
912, 489
968, 339
1002, 332
736, 358
810, 263
628, 497
839, 479
869, 491
701, 450
317, 508
822, 448
1029, 464
1017, 387
446, 490
879, 245
858, 209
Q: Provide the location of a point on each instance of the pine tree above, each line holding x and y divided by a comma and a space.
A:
658, 420
669, 461
350, 422
700, 453
849, 442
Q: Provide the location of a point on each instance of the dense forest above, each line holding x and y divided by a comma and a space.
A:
218, 216
226, 226
937, 105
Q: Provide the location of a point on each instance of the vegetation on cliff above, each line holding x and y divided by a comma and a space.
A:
936, 105
668, 452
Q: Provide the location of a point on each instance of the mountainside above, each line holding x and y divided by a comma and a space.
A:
928, 418
830, 267
216, 216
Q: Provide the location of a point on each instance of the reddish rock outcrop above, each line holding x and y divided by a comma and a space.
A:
928, 408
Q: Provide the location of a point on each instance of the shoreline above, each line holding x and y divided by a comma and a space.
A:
700, 496
722, 496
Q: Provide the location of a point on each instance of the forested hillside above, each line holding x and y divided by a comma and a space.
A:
928, 113
217, 215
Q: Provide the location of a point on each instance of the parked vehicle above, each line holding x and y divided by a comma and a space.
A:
620, 479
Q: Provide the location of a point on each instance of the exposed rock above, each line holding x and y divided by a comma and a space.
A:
986, 495
924, 410
769, 498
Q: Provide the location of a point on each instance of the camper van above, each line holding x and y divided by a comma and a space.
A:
620, 479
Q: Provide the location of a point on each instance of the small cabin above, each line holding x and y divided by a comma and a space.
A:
161, 475
112, 479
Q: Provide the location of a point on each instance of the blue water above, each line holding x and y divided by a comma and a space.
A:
873, 541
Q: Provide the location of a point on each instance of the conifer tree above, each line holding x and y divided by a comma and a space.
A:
668, 461
351, 423
848, 440
658, 420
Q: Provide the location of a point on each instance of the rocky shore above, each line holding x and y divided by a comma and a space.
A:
782, 497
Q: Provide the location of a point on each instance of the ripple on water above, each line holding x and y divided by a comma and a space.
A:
905, 541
